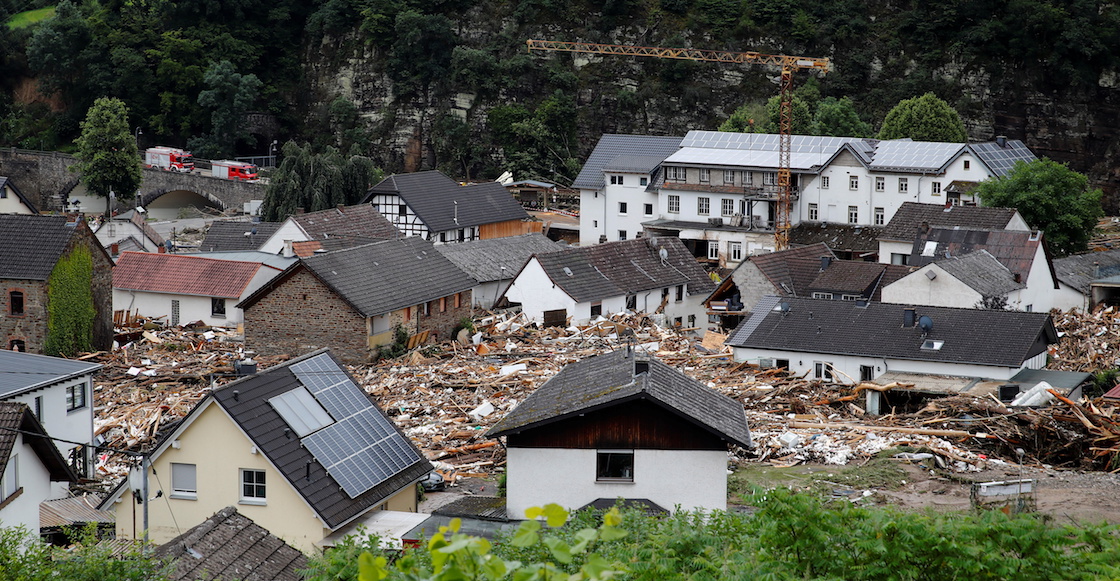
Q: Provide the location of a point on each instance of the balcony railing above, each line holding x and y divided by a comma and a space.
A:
756, 192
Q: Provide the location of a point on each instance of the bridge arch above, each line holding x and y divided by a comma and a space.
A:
165, 204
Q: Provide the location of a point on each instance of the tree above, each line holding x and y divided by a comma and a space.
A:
1050, 197
23, 557
748, 118
754, 118
229, 97
316, 181
838, 118
107, 156
924, 118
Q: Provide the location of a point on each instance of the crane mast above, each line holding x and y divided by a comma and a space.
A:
787, 64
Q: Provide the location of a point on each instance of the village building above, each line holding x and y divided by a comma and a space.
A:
649, 275
237, 235
494, 262
12, 201
32, 249
896, 239
352, 300
435, 207
299, 448
343, 222
1079, 272
620, 425
32, 470
129, 231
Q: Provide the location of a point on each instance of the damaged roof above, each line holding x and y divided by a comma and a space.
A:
906, 221
614, 378
1015, 249
1079, 270
982, 273
839, 237
497, 258
613, 146
442, 204
785, 271
855, 277
229, 546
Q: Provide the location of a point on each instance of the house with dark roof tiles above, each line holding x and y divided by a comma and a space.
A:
361, 221
12, 201
234, 235
31, 467
229, 546
896, 239
494, 262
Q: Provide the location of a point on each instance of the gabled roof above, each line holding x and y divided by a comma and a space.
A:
970, 336
839, 237
9, 184
612, 146
904, 225
384, 276
17, 416
624, 267
442, 204
229, 546
24, 372
611, 379
231, 235
982, 273
634, 164
1001, 158
1014, 249
306, 248
272, 260
31, 245
855, 277
497, 258
780, 269
183, 274
72, 511
361, 220
1079, 270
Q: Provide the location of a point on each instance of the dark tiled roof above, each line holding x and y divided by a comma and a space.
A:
28, 371
838, 237
634, 163
31, 245
612, 146
784, 269
8, 183
246, 401
183, 274
980, 337
645, 505
306, 248
481, 507
623, 268
361, 220
229, 546
384, 276
903, 226
230, 235
982, 273
17, 416
484, 259
850, 277
609, 379
1079, 270
442, 204
1012, 248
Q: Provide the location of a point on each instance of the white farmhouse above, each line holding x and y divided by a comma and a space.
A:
31, 469
12, 201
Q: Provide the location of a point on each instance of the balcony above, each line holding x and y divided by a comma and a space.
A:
753, 192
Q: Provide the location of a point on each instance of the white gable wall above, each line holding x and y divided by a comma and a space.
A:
35, 480
692, 479
10, 202
289, 230
847, 367
601, 214
943, 291
536, 292
74, 425
117, 230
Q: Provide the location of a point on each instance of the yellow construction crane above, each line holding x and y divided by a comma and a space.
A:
787, 64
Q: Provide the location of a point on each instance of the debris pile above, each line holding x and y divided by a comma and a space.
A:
1088, 341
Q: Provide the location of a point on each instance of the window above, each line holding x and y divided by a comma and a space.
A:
252, 486
17, 345
705, 176
824, 182
39, 407
866, 373
616, 180
674, 204
853, 214
713, 251
726, 207
735, 249
903, 185
622, 207
814, 212
643, 181
75, 397
748, 178
665, 295
935, 188
692, 320
596, 309
967, 164
729, 177
880, 184
703, 206
622, 235
849, 297
1029, 308
15, 303
880, 216
648, 209
900, 258
853, 182
217, 307
822, 296
595, 223
632, 302
770, 178
184, 483
822, 370
11, 477
680, 293
402, 209
674, 174
614, 466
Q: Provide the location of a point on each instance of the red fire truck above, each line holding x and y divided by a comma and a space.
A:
168, 159
233, 170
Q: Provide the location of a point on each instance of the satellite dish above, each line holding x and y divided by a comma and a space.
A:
784, 306
925, 324
664, 254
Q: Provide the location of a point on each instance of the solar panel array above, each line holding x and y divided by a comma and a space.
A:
362, 448
1001, 159
758, 313
916, 155
745, 158
764, 141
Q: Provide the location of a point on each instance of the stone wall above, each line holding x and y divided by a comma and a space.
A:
31, 326
301, 314
440, 321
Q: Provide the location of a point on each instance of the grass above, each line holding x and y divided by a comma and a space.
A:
25, 19
878, 472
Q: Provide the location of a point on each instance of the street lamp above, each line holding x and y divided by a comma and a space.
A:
138, 134
272, 153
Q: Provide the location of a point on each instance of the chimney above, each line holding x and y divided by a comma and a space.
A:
907, 318
923, 227
1001, 141
114, 249
825, 262
1018, 277
1096, 270
340, 207
948, 205
289, 250
161, 250
602, 238
299, 211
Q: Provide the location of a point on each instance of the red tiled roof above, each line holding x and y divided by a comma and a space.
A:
179, 274
1113, 393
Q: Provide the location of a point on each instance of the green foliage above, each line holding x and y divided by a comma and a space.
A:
107, 155
749, 118
421, 54
838, 118
70, 309
1102, 382
925, 118
341, 562
316, 181
541, 143
1050, 197
29, 17
23, 557
229, 97
398, 347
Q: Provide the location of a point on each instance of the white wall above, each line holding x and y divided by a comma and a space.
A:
693, 479
10, 202
117, 230
599, 209
847, 367
944, 291
537, 293
289, 230
191, 308
35, 480
75, 425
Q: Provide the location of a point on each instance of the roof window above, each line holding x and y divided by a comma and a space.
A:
932, 345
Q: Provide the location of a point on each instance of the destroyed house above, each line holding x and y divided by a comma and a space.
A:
650, 275
345, 222
353, 299
621, 425
229, 546
852, 341
912, 219
31, 467
435, 207
32, 250
299, 448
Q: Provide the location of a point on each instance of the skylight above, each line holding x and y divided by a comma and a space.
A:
301, 411
932, 345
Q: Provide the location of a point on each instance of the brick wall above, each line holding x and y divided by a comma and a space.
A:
300, 315
441, 322
31, 327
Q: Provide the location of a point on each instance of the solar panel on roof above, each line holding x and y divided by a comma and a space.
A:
300, 411
760, 311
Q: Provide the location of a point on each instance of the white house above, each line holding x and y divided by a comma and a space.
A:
128, 231
896, 240
494, 262
185, 288
31, 468
620, 425
651, 275
362, 222
12, 201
